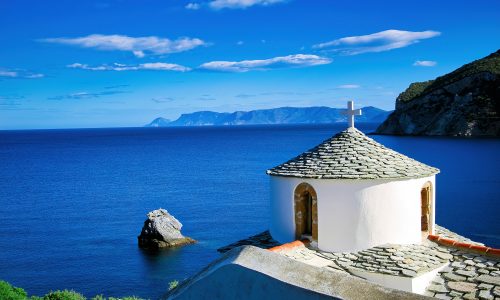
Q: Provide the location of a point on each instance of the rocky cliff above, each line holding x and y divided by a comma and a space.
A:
464, 102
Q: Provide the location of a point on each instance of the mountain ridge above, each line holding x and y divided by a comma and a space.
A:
280, 115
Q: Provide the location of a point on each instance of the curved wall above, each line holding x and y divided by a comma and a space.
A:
354, 214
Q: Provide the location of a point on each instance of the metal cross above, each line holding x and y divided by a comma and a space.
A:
351, 112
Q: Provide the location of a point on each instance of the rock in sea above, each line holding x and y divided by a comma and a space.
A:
162, 230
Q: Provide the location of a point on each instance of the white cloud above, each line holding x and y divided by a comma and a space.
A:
159, 66
425, 63
162, 99
138, 53
81, 95
6, 73
239, 43
19, 73
376, 42
36, 75
349, 86
193, 6
137, 45
297, 60
86, 95
163, 67
240, 4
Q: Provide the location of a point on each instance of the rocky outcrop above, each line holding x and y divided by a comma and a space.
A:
465, 102
162, 230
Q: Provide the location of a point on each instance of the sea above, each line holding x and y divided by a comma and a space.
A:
72, 202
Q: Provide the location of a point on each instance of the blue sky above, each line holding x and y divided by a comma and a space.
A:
114, 63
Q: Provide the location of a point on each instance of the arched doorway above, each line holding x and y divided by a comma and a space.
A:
306, 212
426, 209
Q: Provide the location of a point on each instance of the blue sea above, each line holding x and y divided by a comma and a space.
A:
72, 202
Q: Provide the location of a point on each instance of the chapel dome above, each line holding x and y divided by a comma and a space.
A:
350, 154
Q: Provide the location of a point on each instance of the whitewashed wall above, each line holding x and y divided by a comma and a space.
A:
353, 214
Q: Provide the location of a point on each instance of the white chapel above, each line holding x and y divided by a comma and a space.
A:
351, 193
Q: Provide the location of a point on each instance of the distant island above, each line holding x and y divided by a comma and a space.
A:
282, 115
465, 102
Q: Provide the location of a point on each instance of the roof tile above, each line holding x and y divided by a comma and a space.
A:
350, 154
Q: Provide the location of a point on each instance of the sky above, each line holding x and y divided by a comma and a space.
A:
122, 63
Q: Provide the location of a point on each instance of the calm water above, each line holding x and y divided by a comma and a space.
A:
73, 201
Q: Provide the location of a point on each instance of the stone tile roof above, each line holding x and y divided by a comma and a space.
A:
350, 154
390, 259
261, 240
468, 274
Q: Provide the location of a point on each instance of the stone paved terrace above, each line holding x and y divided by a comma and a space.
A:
462, 274
396, 260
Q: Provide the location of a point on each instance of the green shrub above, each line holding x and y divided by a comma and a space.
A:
63, 295
101, 297
9, 292
172, 285
414, 90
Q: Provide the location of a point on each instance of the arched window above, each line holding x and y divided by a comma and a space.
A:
306, 212
426, 209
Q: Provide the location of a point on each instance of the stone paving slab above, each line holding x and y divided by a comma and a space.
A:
470, 276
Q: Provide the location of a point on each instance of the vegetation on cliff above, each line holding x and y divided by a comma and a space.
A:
414, 90
465, 102
490, 64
